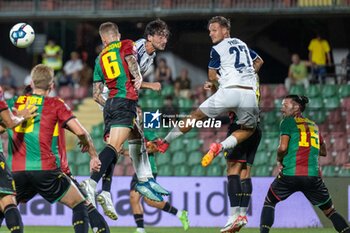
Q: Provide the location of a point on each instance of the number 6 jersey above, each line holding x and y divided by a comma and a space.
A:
112, 69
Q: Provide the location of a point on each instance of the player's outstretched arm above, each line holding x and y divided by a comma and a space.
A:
212, 83
85, 142
134, 69
97, 90
155, 86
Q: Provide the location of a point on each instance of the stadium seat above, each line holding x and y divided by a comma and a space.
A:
167, 90
297, 90
185, 104
329, 90
214, 170
179, 157
197, 170
280, 91
315, 103
344, 172
272, 145
165, 170
344, 91
346, 104
119, 170
182, 170
82, 159
66, 92
262, 170
80, 93
326, 160
163, 159
195, 158
265, 91
130, 171
193, 145
83, 170
176, 145
278, 104
313, 91
341, 158
329, 171
332, 102
261, 158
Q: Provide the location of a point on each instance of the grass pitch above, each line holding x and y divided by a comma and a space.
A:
53, 229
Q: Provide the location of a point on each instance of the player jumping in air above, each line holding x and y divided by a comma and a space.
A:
117, 67
236, 82
155, 39
300, 146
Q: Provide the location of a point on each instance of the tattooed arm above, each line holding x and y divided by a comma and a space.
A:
97, 89
134, 69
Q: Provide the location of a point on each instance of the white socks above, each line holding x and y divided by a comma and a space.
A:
145, 161
173, 134
179, 213
234, 210
229, 142
136, 156
243, 211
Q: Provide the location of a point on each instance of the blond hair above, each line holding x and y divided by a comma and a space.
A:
108, 28
42, 77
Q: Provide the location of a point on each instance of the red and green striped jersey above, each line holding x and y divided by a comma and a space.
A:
112, 69
30, 144
59, 146
3, 106
303, 148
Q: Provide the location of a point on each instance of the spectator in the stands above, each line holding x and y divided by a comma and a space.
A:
163, 72
297, 73
183, 84
52, 55
86, 73
72, 69
7, 80
319, 56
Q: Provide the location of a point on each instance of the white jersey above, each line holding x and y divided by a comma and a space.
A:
143, 58
234, 64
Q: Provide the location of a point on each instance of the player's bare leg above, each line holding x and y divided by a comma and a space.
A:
8, 207
178, 131
75, 200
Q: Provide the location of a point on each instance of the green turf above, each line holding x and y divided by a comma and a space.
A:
29, 229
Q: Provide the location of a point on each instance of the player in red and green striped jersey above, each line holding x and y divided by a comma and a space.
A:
117, 68
36, 168
301, 144
8, 204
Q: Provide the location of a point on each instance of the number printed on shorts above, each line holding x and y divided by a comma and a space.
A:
111, 65
314, 138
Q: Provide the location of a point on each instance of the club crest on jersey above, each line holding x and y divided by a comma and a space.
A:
151, 120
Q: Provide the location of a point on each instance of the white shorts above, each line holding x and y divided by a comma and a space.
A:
242, 102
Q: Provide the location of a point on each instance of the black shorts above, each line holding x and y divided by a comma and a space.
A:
312, 187
134, 181
7, 184
119, 112
51, 185
82, 191
245, 151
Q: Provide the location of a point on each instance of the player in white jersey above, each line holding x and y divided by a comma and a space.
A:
232, 79
156, 34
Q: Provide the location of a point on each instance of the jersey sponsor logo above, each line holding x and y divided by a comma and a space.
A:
32, 100
2, 165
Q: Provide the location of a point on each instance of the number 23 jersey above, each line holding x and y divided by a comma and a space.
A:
232, 60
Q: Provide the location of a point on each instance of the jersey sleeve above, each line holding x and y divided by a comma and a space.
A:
311, 46
98, 75
129, 47
286, 126
253, 54
214, 62
326, 46
64, 112
3, 105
